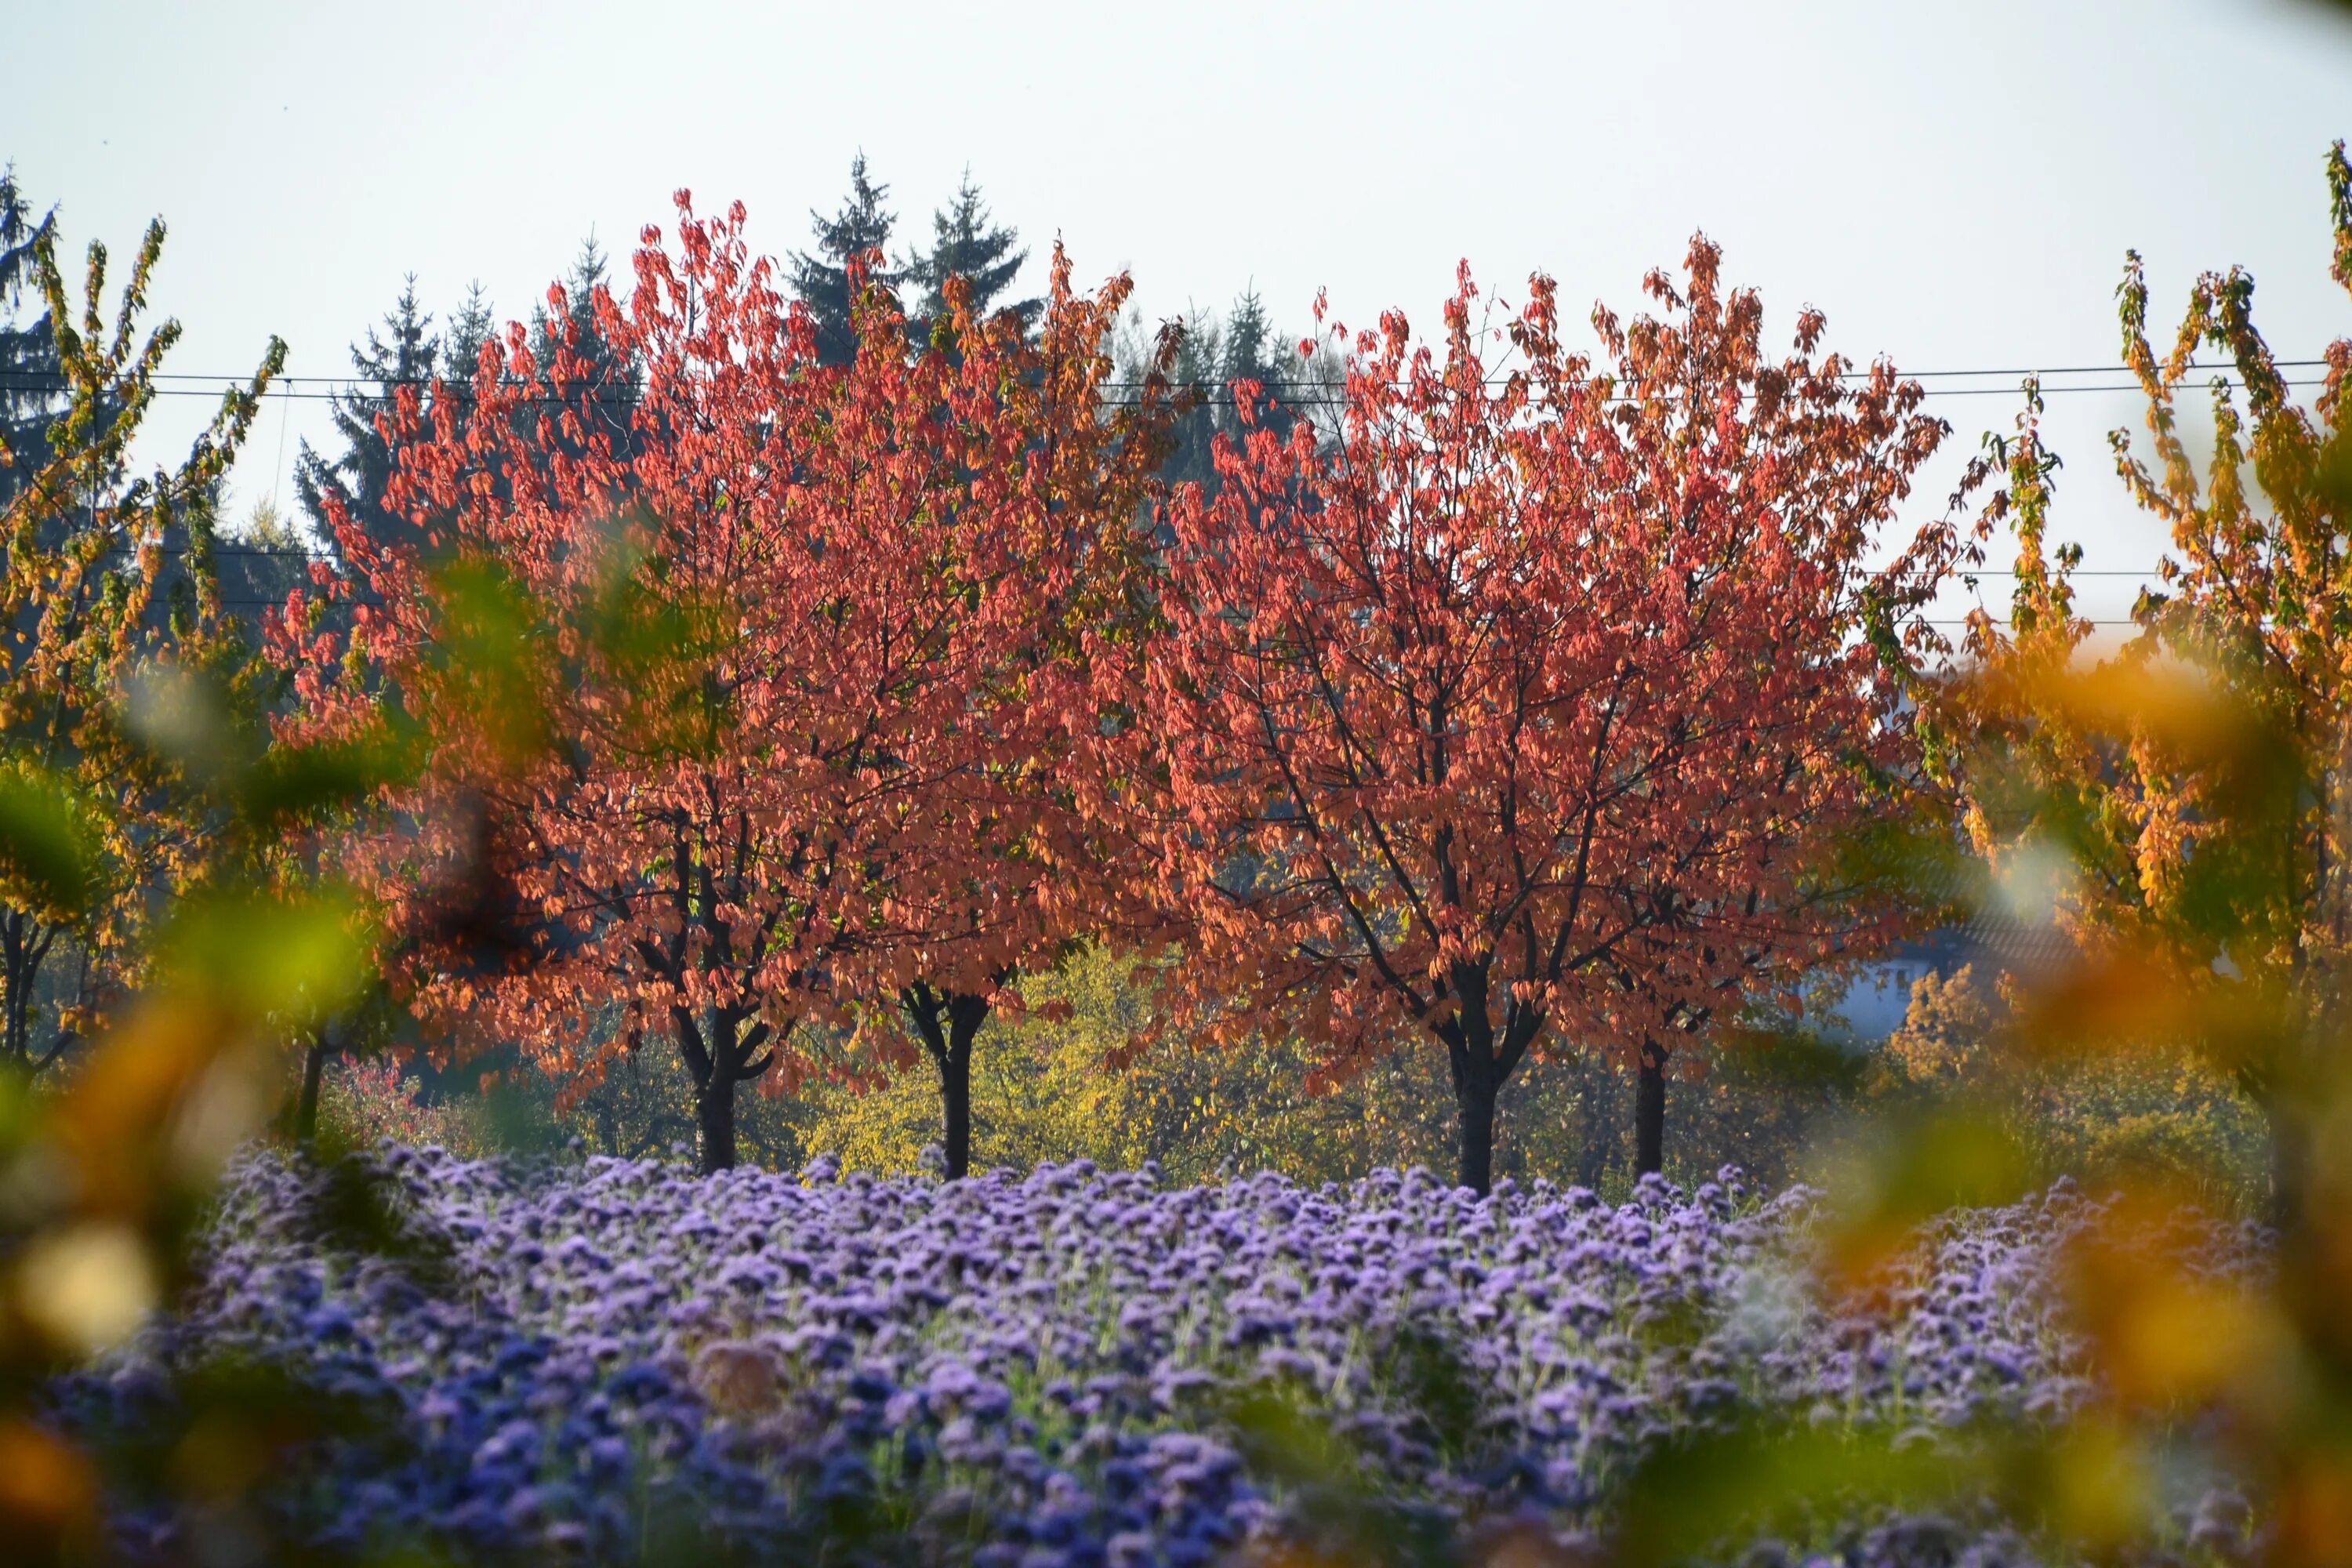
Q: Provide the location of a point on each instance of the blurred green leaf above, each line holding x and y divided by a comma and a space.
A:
1783, 1482
486, 621
1955, 1156
1331, 1507
297, 783
488, 652
186, 717
1911, 853
269, 957
46, 860
353, 1208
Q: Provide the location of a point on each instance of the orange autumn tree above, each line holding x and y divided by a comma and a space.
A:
2196, 782
978, 507
1517, 717
654, 836
106, 590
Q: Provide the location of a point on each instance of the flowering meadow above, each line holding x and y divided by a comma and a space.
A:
619, 1362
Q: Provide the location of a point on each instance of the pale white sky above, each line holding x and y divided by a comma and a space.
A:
1954, 184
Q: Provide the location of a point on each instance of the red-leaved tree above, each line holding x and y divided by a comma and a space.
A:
1518, 716
652, 831
979, 502
784, 668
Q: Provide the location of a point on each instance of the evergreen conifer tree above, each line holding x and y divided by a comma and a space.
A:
966, 243
405, 349
608, 381
267, 557
33, 385
1252, 352
1212, 355
820, 277
1197, 373
30, 387
404, 352
472, 325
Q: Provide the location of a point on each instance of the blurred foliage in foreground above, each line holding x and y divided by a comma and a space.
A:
143, 826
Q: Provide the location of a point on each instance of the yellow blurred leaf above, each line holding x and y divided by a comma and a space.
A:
2100, 1486
89, 1288
2165, 1333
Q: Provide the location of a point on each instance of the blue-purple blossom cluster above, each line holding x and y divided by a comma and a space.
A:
622, 1361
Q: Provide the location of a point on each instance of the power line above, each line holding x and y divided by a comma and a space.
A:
1318, 393
1858, 374
222, 550
1930, 621
1206, 399
1993, 570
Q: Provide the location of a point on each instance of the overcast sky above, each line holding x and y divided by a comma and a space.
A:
1953, 184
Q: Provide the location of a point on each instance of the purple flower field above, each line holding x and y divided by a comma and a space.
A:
622, 1362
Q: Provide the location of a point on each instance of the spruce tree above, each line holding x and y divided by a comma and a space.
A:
404, 352
857, 233
1289, 386
1212, 355
30, 381
607, 384
471, 326
33, 387
260, 560
966, 243
1252, 352
1197, 373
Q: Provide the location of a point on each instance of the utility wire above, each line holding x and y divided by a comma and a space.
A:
1993, 570
1858, 374
1204, 399
1315, 394
361, 389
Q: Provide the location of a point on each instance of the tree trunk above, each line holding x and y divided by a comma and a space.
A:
955, 1104
1596, 1127
306, 1104
2288, 1153
1482, 1059
714, 1117
18, 976
2284, 1134
947, 1021
1473, 1102
1650, 1111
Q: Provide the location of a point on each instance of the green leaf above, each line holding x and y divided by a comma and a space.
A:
1960, 1155
1773, 1479
46, 860
293, 785
269, 957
